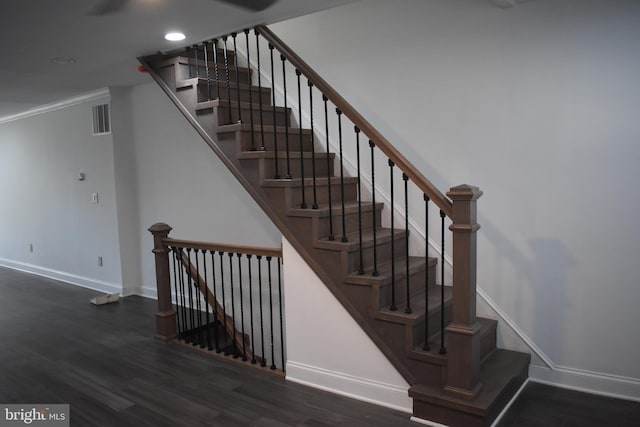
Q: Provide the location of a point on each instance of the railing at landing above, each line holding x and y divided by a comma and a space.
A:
223, 299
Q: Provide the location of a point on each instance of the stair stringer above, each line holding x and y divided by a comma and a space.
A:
252, 185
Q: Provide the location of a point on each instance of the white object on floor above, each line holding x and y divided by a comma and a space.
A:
105, 299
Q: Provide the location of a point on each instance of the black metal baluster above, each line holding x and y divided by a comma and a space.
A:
273, 101
344, 218
273, 359
393, 245
196, 53
253, 341
313, 149
188, 51
235, 57
198, 300
244, 347
443, 350
216, 322
262, 147
182, 295
206, 69
249, 81
405, 178
329, 174
225, 53
191, 313
263, 362
303, 205
280, 308
426, 346
361, 250
214, 46
224, 305
233, 307
286, 116
206, 298
175, 287
373, 200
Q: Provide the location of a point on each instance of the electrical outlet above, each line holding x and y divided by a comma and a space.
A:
100, 261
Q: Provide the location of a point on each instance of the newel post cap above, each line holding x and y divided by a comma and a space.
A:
160, 228
464, 192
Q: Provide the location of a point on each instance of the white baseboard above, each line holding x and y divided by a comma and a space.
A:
85, 282
151, 293
387, 395
587, 381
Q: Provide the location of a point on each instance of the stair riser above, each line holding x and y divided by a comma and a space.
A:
182, 73
282, 117
351, 260
233, 94
435, 324
267, 139
416, 286
268, 168
293, 196
322, 225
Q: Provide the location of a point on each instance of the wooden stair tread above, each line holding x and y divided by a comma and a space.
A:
416, 264
295, 182
417, 307
322, 211
500, 373
293, 154
194, 81
234, 127
383, 235
266, 108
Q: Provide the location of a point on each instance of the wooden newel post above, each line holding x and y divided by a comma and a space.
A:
464, 331
166, 315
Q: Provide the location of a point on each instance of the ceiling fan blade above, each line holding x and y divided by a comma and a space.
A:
106, 7
255, 5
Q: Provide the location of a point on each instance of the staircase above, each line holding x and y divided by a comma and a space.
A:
457, 375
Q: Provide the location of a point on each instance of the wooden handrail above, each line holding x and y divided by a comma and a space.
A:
356, 118
223, 247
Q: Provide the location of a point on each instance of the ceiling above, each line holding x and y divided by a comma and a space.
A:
105, 48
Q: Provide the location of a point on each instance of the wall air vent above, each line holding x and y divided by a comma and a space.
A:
101, 119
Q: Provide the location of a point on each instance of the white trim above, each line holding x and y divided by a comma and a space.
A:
508, 405
151, 293
382, 394
68, 102
427, 422
598, 383
72, 279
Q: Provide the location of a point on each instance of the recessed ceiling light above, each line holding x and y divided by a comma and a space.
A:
174, 37
63, 61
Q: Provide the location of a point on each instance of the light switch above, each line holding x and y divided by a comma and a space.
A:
94, 198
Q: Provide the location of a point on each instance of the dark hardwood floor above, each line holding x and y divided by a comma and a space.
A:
57, 348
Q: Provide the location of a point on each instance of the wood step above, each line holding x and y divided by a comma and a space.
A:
265, 136
181, 65
291, 163
220, 110
501, 375
320, 224
201, 85
290, 190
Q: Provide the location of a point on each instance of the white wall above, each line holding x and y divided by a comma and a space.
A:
181, 182
537, 105
44, 204
325, 346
